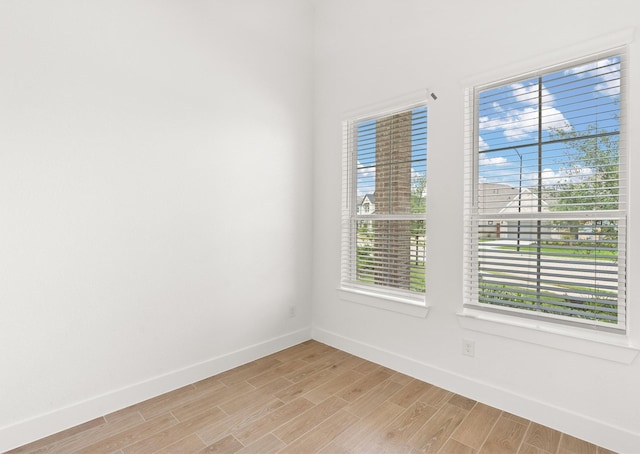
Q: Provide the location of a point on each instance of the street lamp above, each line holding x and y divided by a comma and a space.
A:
519, 198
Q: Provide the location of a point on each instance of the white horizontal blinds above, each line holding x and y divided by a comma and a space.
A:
550, 206
384, 222
470, 239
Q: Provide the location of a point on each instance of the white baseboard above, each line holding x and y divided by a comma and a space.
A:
562, 419
26, 431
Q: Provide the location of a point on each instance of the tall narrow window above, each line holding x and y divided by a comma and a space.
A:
384, 194
546, 195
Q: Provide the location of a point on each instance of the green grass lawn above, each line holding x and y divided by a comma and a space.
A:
604, 254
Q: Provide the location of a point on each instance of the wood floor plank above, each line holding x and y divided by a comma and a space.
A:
455, 447
98, 433
123, 415
322, 434
188, 445
602, 450
401, 378
364, 385
296, 352
243, 373
475, 428
410, 393
529, 449
319, 351
268, 423
210, 400
462, 402
572, 445
130, 436
156, 406
351, 362
225, 445
283, 369
435, 433
348, 440
320, 364
515, 418
253, 413
543, 437
172, 434
208, 382
256, 397
408, 423
332, 386
303, 423
505, 437
345, 362
369, 401
236, 422
59, 437
436, 396
367, 367
309, 383
381, 445
269, 444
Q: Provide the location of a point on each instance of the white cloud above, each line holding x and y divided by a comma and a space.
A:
592, 69
522, 121
495, 161
608, 70
519, 124
482, 144
366, 172
609, 88
528, 94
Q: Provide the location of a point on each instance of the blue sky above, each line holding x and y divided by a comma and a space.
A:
572, 100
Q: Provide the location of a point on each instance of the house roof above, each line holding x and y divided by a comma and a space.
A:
370, 197
496, 198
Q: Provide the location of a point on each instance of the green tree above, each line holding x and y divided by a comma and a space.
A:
592, 178
418, 194
418, 205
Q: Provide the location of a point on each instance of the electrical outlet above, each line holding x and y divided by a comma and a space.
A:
468, 347
292, 311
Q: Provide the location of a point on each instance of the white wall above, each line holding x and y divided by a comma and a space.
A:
155, 167
371, 51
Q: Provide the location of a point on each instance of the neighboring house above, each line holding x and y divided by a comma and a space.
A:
501, 199
367, 204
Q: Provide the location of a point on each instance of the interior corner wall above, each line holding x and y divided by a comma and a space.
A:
373, 51
155, 159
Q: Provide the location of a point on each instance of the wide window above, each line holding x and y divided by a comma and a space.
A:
546, 195
384, 195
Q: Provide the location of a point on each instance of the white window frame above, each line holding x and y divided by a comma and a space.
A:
385, 298
615, 346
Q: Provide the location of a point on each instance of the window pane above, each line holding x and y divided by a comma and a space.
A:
555, 267
385, 238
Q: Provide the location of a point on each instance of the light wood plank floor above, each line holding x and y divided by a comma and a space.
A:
306, 399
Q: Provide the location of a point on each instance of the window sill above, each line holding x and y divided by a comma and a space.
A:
393, 303
609, 346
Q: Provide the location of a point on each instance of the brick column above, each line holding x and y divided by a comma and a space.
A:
392, 247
